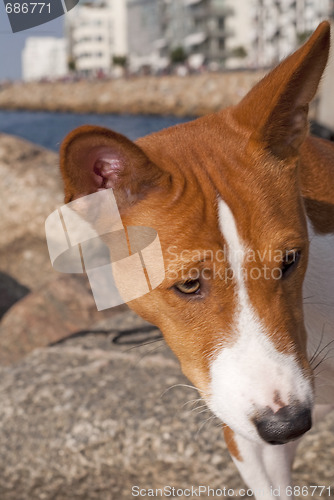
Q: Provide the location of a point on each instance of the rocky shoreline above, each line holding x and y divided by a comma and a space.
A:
84, 417
192, 95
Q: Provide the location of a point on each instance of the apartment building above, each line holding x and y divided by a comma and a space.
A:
200, 27
222, 33
97, 33
44, 57
157, 27
212, 33
144, 29
277, 27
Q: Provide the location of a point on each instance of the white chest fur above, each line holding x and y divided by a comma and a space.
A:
318, 293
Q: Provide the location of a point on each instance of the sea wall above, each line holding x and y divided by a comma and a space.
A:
169, 95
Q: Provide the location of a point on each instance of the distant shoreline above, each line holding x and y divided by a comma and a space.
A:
169, 95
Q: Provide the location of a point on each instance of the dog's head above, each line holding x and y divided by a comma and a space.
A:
224, 195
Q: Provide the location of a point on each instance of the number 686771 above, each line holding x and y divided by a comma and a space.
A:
27, 8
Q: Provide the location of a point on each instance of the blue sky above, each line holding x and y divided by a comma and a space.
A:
11, 44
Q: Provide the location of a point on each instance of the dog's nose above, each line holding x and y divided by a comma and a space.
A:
286, 424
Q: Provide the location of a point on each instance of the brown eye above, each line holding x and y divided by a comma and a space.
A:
290, 261
189, 286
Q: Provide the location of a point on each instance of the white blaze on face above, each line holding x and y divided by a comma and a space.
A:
248, 374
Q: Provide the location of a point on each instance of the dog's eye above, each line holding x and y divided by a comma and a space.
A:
290, 261
189, 286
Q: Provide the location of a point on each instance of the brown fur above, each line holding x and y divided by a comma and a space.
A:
256, 158
231, 443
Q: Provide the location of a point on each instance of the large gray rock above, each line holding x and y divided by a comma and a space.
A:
58, 304
10, 292
61, 307
30, 190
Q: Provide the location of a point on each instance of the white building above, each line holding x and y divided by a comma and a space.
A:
120, 27
44, 57
212, 33
222, 33
97, 32
268, 30
145, 19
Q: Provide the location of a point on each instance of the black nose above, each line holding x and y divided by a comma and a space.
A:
286, 424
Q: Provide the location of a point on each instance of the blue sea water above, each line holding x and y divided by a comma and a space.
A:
48, 129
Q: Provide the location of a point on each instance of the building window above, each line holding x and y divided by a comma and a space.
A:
221, 23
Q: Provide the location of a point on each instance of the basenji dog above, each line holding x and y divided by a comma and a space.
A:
243, 203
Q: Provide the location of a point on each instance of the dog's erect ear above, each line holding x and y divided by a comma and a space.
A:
276, 108
95, 158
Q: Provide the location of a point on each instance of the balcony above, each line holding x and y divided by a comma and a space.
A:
189, 3
195, 39
220, 32
210, 11
218, 55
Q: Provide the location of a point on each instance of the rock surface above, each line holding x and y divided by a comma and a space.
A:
10, 292
63, 306
30, 190
181, 96
58, 304
88, 420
